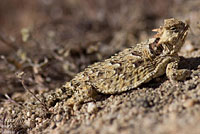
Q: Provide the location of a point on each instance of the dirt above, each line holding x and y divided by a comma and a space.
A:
50, 41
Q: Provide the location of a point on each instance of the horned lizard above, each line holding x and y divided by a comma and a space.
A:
131, 67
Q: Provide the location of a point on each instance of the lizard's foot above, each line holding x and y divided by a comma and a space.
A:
81, 97
179, 75
176, 75
182, 74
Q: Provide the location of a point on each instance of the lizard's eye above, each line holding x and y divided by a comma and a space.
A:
174, 29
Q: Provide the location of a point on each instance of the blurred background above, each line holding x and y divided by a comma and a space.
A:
52, 40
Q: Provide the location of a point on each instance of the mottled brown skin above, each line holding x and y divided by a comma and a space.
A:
132, 67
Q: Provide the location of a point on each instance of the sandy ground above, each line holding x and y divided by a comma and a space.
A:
65, 37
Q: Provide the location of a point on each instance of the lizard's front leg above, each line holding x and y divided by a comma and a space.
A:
175, 74
84, 93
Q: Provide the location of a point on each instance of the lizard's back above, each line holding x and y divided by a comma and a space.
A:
121, 72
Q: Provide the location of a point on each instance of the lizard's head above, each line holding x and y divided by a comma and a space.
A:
172, 35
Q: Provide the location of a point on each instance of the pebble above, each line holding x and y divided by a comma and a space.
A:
30, 123
76, 107
39, 120
189, 103
28, 114
52, 125
92, 108
58, 117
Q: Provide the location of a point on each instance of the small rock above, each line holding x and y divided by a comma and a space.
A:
189, 103
52, 125
58, 117
28, 114
39, 120
45, 124
92, 108
30, 123
76, 107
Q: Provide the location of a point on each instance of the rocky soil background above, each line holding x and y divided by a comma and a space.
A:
44, 43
